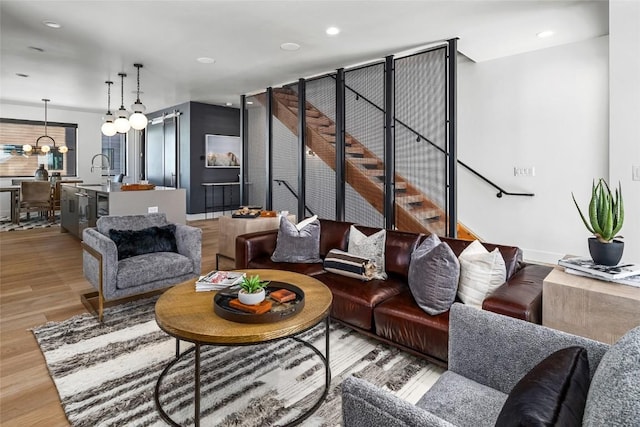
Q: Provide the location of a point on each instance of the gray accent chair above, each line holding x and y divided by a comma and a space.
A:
141, 274
488, 354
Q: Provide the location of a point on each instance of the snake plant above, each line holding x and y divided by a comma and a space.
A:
606, 211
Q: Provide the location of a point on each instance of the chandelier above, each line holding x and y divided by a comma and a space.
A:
48, 143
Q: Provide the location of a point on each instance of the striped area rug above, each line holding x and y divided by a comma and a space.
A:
106, 374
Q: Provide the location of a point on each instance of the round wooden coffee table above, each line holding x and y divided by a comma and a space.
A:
188, 315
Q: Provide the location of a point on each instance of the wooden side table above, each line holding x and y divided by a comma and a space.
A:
591, 308
230, 228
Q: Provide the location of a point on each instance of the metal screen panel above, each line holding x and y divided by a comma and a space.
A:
364, 162
421, 141
255, 165
320, 175
285, 150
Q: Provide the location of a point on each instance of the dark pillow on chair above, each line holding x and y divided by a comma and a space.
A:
553, 393
148, 240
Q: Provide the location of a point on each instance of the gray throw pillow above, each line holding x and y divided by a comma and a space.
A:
293, 245
371, 247
614, 395
434, 271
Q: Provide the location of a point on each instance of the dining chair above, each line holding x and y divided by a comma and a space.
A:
35, 196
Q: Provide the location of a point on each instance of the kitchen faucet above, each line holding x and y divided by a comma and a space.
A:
108, 168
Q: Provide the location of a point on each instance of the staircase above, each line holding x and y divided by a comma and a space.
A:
364, 170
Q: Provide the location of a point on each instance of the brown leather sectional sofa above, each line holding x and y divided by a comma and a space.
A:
385, 309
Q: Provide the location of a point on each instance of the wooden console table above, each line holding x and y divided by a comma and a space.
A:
230, 228
591, 308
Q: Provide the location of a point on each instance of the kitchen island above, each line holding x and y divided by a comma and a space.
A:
82, 205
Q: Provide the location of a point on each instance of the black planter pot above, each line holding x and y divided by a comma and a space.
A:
605, 253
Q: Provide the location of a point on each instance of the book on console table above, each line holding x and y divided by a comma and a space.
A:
607, 272
630, 281
218, 279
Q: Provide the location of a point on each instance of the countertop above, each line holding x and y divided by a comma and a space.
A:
114, 187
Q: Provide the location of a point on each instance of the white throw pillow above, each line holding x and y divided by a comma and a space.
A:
371, 247
481, 273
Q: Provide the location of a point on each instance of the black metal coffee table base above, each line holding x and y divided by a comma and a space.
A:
196, 349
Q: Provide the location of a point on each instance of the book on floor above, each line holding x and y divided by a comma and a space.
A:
218, 279
630, 281
586, 265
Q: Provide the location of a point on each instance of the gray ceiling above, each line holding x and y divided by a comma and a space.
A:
98, 39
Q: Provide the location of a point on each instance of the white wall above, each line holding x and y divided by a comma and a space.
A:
546, 109
624, 119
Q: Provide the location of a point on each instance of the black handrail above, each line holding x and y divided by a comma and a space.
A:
419, 136
292, 191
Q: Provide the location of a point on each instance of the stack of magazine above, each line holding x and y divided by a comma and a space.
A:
623, 273
216, 280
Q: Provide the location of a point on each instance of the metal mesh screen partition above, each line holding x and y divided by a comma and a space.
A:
285, 149
364, 145
256, 164
421, 141
320, 175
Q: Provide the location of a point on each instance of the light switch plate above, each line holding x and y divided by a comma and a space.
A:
635, 172
152, 209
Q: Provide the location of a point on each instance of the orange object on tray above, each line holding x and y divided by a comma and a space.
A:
268, 213
283, 295
261, 308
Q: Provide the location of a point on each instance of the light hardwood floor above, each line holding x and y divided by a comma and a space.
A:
40, 281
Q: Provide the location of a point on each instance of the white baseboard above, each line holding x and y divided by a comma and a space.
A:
541, 257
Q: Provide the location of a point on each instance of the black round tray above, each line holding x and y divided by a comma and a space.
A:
279, 311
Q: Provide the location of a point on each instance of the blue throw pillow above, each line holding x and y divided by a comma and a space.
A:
148, 240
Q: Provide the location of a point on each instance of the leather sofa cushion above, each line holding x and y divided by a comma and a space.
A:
310, 269
552, 393
333, 235
354, 300
399, 319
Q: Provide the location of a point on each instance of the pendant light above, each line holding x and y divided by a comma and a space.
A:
138, 120
122, 123
108, 128
44, 148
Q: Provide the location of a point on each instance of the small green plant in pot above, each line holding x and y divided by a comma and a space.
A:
606, 215
252, 290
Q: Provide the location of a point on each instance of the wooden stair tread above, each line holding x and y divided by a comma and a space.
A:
408, 199
364, 160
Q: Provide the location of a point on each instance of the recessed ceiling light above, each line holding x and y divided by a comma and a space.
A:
52, 24
544, 34
249, 102
290, 46
229, 104
332, 31
205, 60
37, 49
22, 75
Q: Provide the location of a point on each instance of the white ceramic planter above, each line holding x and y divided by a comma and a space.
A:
251, 299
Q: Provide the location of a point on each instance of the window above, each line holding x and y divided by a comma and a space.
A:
14, 162
115, 147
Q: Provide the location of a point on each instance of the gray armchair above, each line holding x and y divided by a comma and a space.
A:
137, 274
488, 355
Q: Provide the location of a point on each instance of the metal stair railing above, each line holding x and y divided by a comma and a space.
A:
292, 191
419, 137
